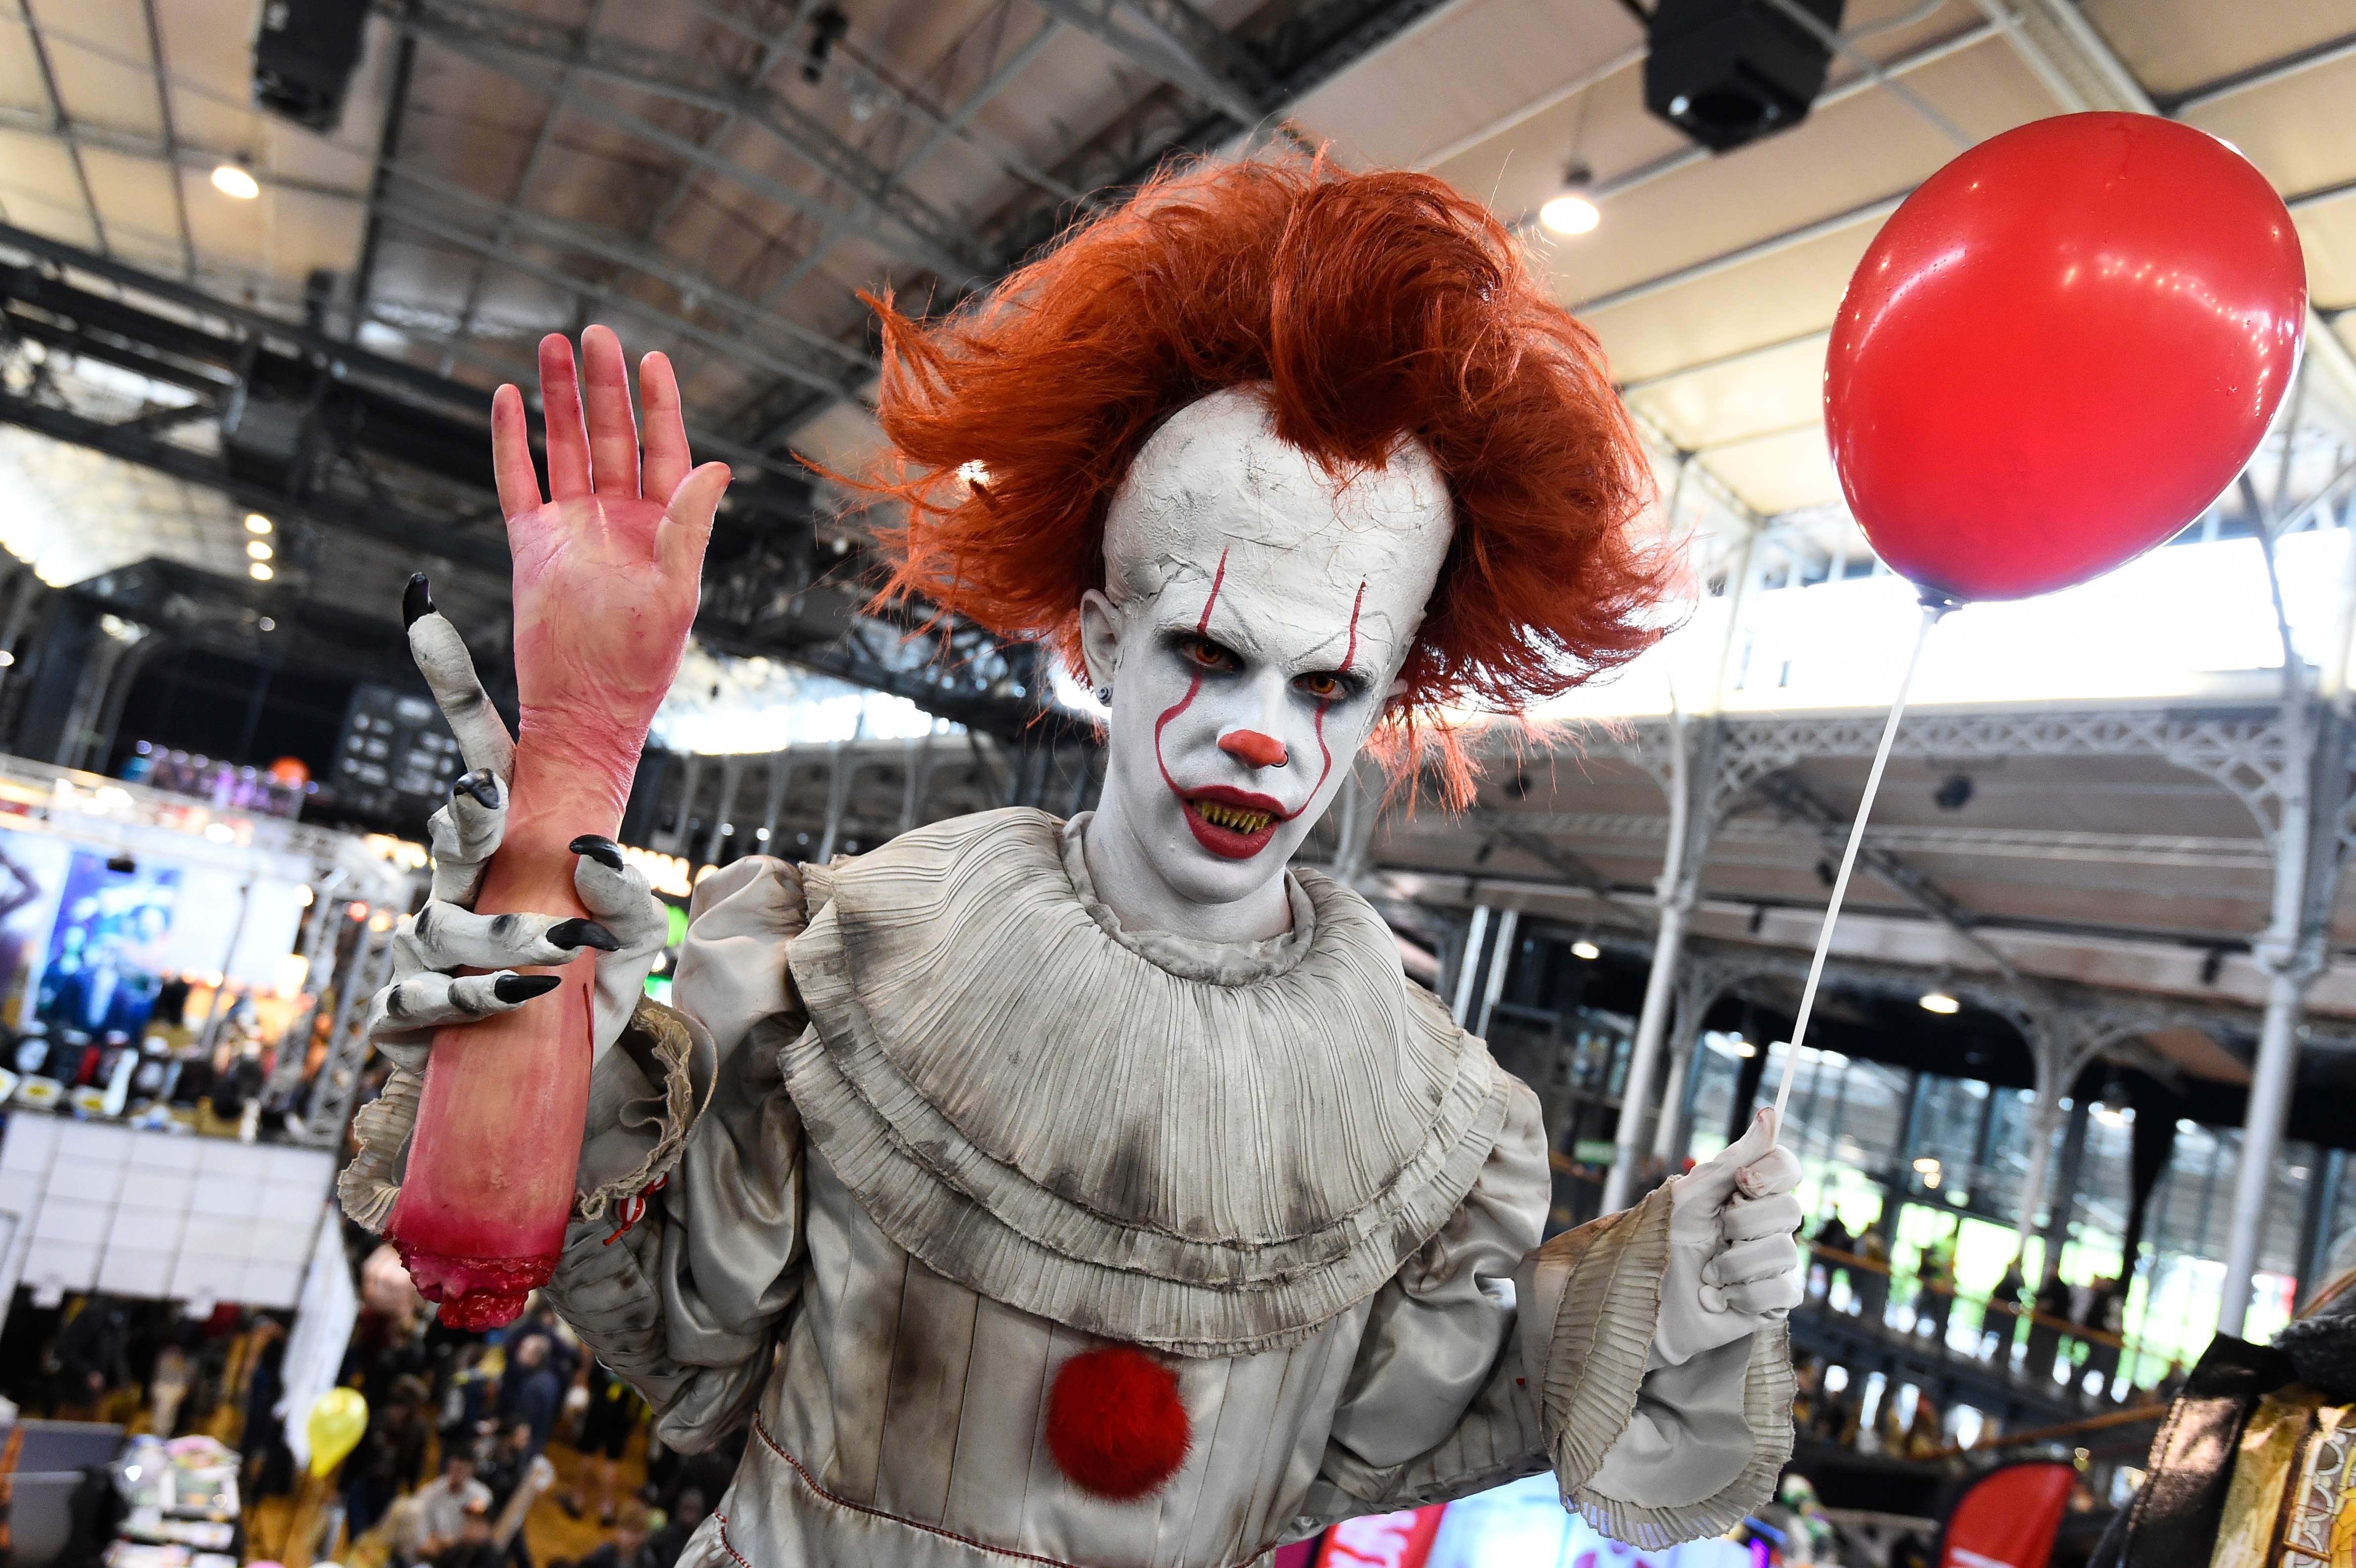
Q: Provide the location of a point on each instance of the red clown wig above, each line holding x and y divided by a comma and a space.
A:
1380, 307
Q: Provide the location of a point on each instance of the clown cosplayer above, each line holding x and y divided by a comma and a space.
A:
1101, 1192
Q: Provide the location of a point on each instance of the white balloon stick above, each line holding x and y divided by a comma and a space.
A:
1932, 610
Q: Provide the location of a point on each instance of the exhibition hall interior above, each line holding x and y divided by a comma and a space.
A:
1882, 474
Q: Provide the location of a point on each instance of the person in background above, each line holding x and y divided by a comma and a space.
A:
606, 1427
1833, 1237
667, 1544
532, 1392
2105, 1319
391, 1458
473, 1546
2051, 1310
444, 1505
1924, 1438
508, 1467
2000, 1326
268, 1469
1872, 1280
1935, 1295
630, 1546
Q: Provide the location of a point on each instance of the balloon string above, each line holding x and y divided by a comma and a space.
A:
1932, 611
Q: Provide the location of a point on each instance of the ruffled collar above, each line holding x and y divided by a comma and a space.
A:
1212, 1148
1190, 957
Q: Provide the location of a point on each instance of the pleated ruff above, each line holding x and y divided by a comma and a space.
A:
1042, 1113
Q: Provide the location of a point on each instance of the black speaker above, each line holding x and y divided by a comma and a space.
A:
303, 52
1730, 71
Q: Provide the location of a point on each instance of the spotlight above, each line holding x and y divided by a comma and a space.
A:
1570, 215
1585, 949
1939, 1002
1954, 795
235, 182
256, 523
1572, 212
257, 549
259, 571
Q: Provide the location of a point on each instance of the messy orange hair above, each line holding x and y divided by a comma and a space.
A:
1380, 307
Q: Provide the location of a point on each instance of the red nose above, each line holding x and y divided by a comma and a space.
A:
1251, 746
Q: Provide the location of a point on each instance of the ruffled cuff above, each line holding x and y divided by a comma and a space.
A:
644, 1099
366, 1186
1592, 1371
639, 1118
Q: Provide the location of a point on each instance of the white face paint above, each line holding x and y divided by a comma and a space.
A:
1252, 628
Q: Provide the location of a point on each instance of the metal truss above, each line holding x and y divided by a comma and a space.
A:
807, 803
1178, 43
541, 54
383, 451
2243, 752
1788, 794
338, 1084
1322, 40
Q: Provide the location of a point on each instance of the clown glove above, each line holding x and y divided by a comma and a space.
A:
1733, 1265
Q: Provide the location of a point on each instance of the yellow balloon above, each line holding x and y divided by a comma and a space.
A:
337, 1419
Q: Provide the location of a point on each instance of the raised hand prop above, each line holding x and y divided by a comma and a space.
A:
2055, 354
606, 570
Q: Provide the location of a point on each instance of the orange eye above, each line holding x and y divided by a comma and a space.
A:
1322, 687
1209, 655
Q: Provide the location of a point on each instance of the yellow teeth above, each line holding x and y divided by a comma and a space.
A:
1232, 818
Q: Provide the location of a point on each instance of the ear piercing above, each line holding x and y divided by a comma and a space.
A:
1104, 695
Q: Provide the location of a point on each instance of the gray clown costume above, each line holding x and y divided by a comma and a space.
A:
926, 1123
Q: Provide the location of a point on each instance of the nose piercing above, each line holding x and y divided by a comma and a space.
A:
1251, 746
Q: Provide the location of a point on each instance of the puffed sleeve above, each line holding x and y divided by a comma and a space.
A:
685, 1255
1491, 1356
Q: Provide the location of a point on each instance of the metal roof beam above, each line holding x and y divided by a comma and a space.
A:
603, 244
2264, 74
733, 348
535, 53
622, 250
1178, 43
524, 180
60, 125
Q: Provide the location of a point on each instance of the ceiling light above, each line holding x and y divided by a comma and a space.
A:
233, 181
1585, 949
1571, 214
256, 523
1939, 1002
267, 624
258, 550
259, 571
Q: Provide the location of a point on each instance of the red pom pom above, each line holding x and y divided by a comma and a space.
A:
1116, 1424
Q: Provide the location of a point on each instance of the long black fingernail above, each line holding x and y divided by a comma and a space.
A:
513, 988
482, 784
583, 934
416, 601
599, 848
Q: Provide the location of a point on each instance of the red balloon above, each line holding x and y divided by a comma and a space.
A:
2060, 350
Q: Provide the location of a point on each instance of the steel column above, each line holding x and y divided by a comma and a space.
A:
1468, 967
1668, 947
1500, 959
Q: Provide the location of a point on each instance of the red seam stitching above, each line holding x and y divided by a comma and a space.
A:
729, 1546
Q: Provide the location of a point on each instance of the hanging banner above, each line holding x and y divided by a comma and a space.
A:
2007, 1518
1401, 1540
